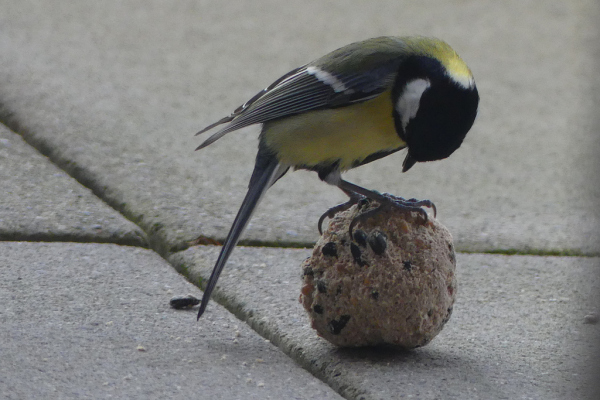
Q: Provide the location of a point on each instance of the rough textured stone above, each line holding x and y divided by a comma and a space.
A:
93, 321
393, 283
517, 330
39, 201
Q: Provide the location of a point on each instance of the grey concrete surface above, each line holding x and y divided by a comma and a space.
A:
114, 91
517, 331
93, 321
39, 201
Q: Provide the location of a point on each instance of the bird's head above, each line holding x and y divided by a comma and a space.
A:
436, 101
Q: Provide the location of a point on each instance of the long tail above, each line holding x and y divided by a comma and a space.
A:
264, 175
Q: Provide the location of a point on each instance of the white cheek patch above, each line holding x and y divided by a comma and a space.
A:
407, 105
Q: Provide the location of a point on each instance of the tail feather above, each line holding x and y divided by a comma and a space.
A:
216, 136
219, 122
261, 181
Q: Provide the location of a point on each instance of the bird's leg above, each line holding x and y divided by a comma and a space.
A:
386, 201
354, 199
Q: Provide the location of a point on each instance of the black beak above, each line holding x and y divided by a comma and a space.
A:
409, 161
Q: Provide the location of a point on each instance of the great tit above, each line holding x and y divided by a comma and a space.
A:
352, 106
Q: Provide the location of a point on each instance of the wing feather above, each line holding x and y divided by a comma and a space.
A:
308, 88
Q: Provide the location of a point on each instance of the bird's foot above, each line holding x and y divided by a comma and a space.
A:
389, 201
354, 199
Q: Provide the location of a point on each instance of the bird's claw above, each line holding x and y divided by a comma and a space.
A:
410, 205
385, 203
336, 209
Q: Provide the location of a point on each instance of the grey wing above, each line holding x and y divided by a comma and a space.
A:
304, 89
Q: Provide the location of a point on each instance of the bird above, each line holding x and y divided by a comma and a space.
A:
352, 106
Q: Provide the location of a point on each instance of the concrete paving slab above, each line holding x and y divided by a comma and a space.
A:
517, 331
39, 201
113, 91
93, 321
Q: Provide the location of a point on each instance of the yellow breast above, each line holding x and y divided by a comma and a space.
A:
346, 135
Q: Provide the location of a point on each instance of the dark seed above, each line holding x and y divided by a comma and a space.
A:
375, 295
378, 242
591, 318
356, 253
308, 271
407, 265
355, 250
452, 254
447, 318
336, 327
179, 302
329, 249
318, 309
360, 237
321, 286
